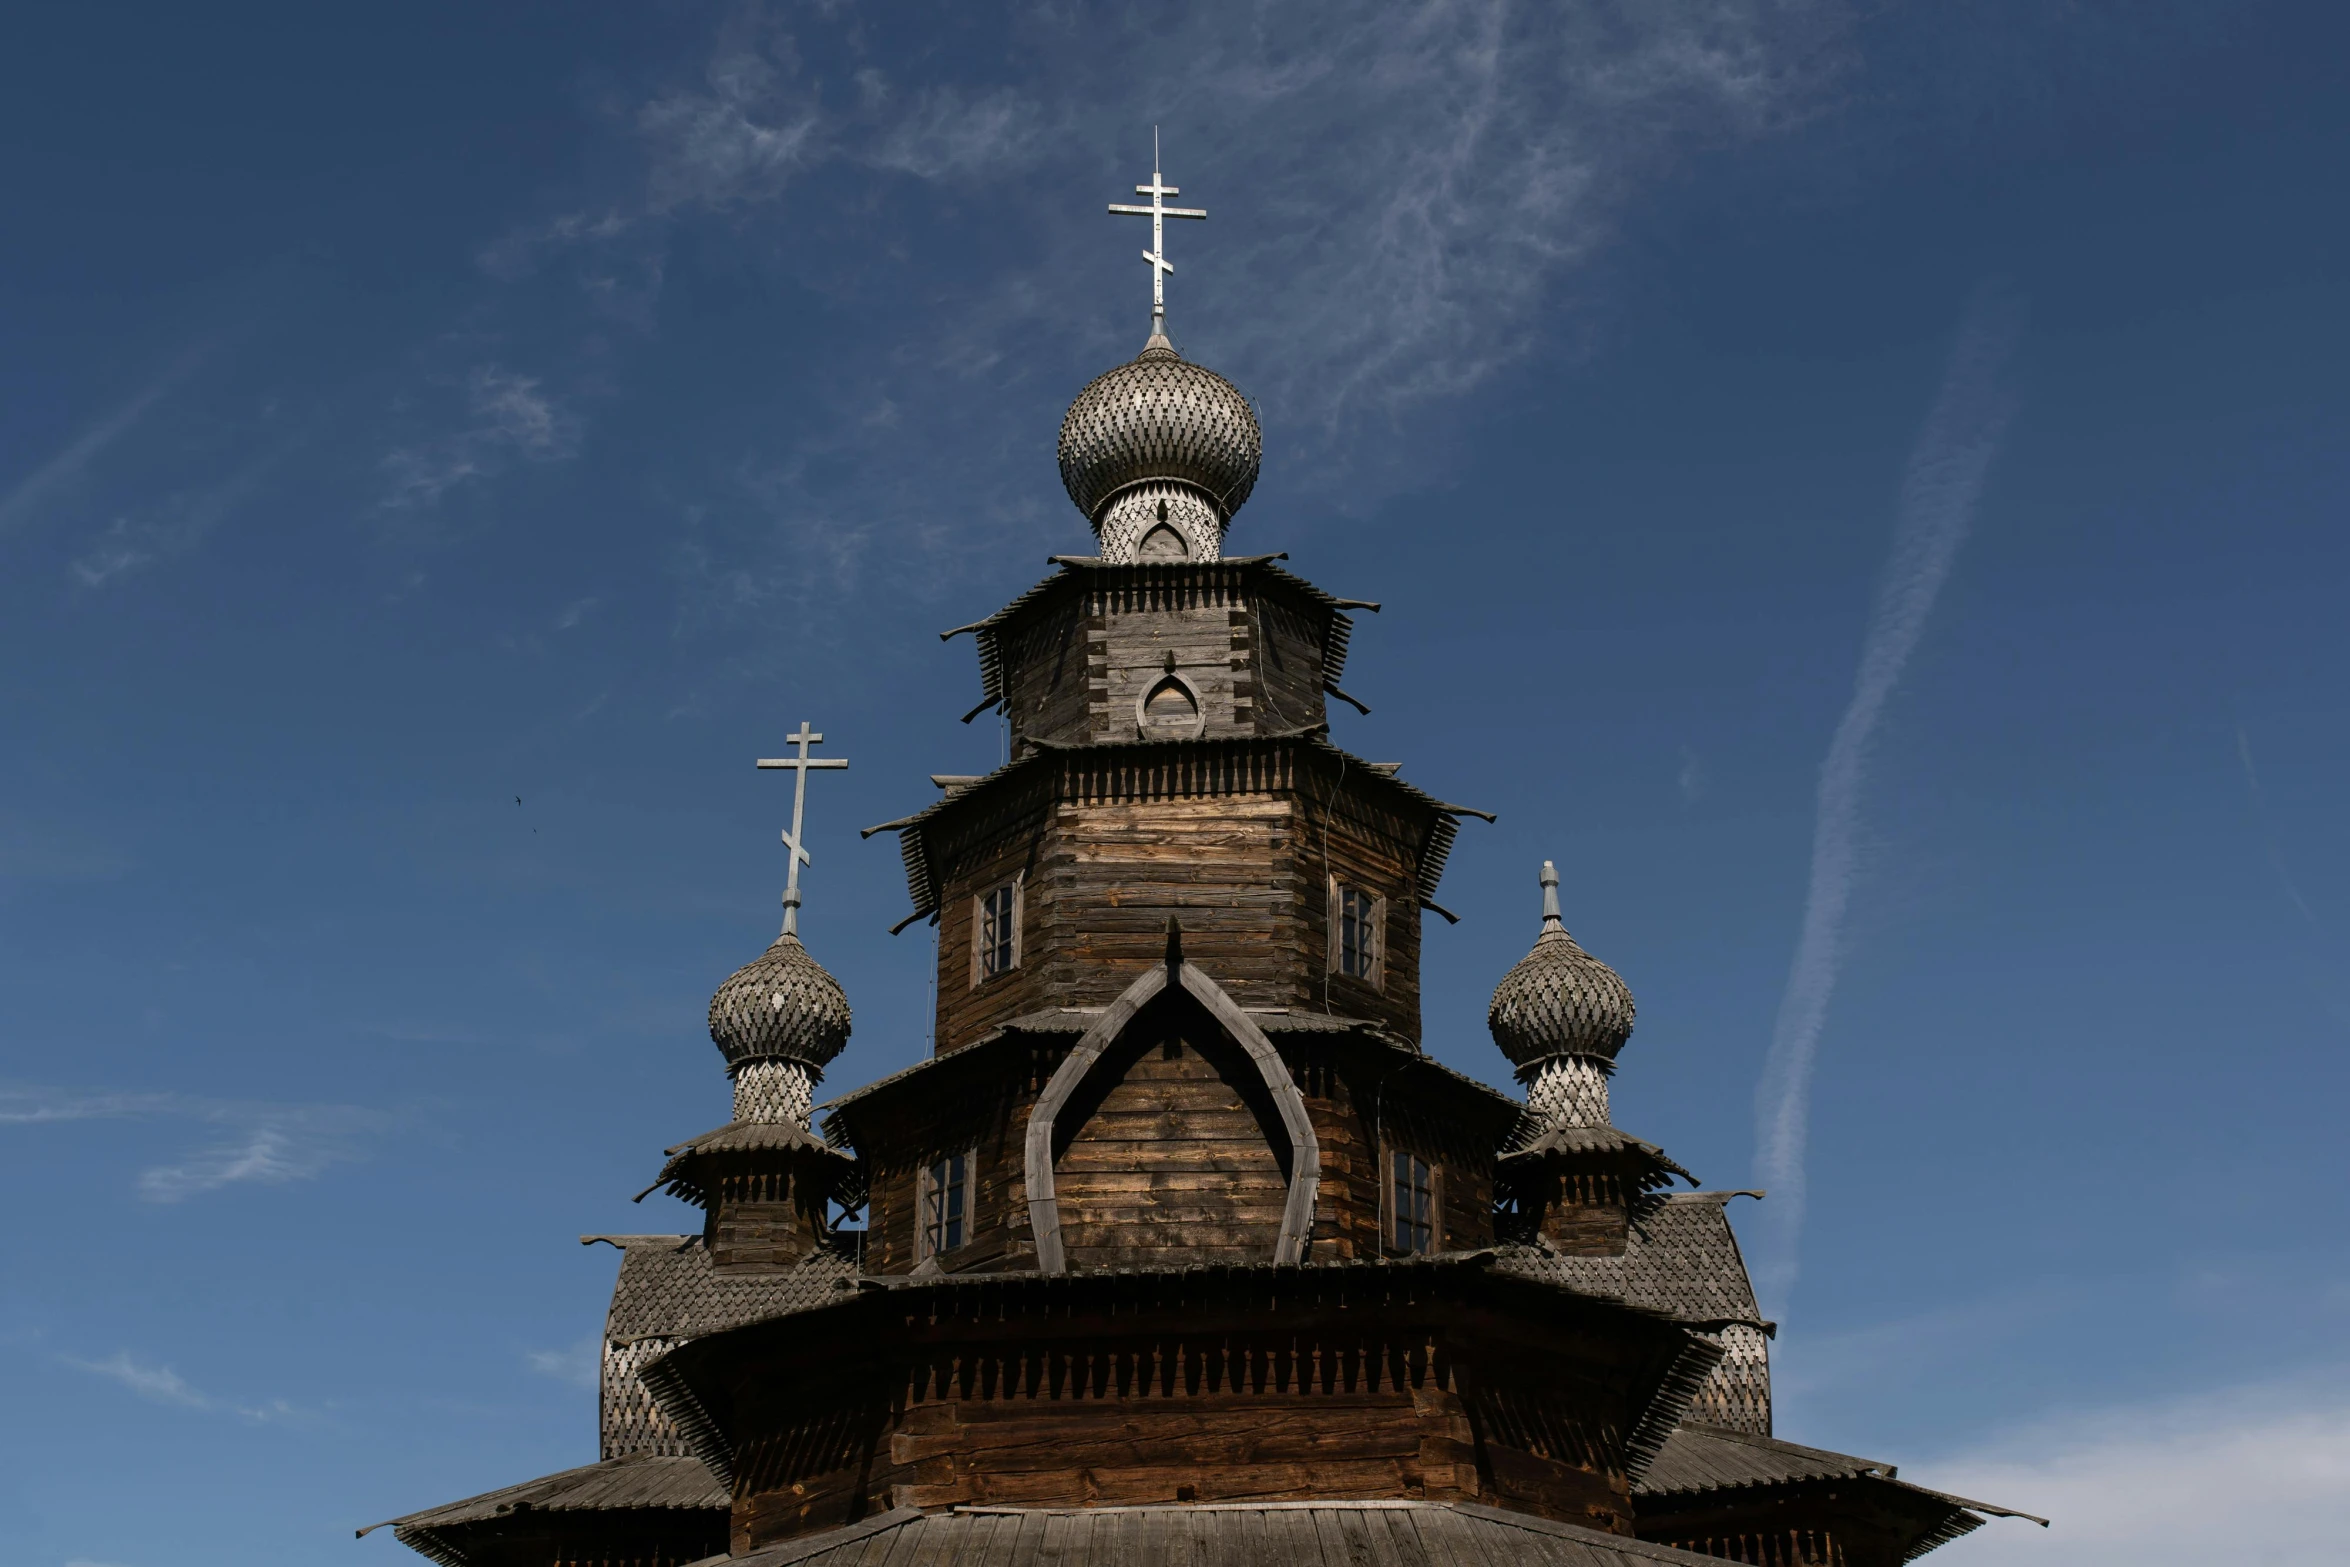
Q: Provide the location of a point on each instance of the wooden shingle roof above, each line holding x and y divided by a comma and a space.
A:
1701, 1463
1310, 1534
668, 1289
682, 1174
1681, 1261
644, 1483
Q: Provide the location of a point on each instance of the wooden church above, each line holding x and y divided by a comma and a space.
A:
1179, 1247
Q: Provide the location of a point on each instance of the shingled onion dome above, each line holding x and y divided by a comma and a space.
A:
1561, 1015
778, 1021
1159, 453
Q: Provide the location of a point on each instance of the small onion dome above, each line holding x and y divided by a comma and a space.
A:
784, 1004
1160, 417
1559, 1000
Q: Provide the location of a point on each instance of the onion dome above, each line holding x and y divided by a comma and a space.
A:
1559, 1000
1162, 423
784, 1005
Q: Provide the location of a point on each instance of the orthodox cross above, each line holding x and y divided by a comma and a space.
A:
1158, 212
799, 800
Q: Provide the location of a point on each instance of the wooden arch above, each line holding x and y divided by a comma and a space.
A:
1305, 1159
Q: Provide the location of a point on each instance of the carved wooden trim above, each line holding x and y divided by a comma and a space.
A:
1305, 1157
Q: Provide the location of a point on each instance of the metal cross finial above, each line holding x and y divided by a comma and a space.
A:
1158, 212
1550, 898
799, 800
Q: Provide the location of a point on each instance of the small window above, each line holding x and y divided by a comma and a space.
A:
1170, 709
1412, 1201
995, 932
946, 1206
1162, 542
1357, 932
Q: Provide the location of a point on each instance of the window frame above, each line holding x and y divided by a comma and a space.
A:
1373, 922
1015, 895
938, 1182
1392, 1187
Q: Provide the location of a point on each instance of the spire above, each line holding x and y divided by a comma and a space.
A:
1550, 900
1158, 212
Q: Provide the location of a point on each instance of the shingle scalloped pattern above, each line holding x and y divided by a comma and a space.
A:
1682, 1260
1160, 417
1560, 1000
782, 1003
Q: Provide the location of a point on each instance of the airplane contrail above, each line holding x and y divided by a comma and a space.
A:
1938, 495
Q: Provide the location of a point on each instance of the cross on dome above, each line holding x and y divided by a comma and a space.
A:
799, 764
1158, 212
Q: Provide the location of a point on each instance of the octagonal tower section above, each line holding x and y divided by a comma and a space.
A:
1298, 873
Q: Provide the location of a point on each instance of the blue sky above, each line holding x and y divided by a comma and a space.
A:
407, 411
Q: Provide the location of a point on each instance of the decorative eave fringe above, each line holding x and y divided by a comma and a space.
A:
686, 1413
1675, 1393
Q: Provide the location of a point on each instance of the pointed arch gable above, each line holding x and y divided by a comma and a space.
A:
1098, 1041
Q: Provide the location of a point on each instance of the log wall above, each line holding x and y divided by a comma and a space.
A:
1247, 870
1172, 1160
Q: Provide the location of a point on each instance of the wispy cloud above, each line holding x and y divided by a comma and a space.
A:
1938, 496
159, 529
581, 1364
506, 415
162, 1385
739, 136
1403, 200
262, 1143
1487, 148
159, 1384
61, 472
1813, 1368
2136, 1485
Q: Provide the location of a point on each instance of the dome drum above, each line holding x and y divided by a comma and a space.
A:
1159, 520
774, 1089
1568, 1090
